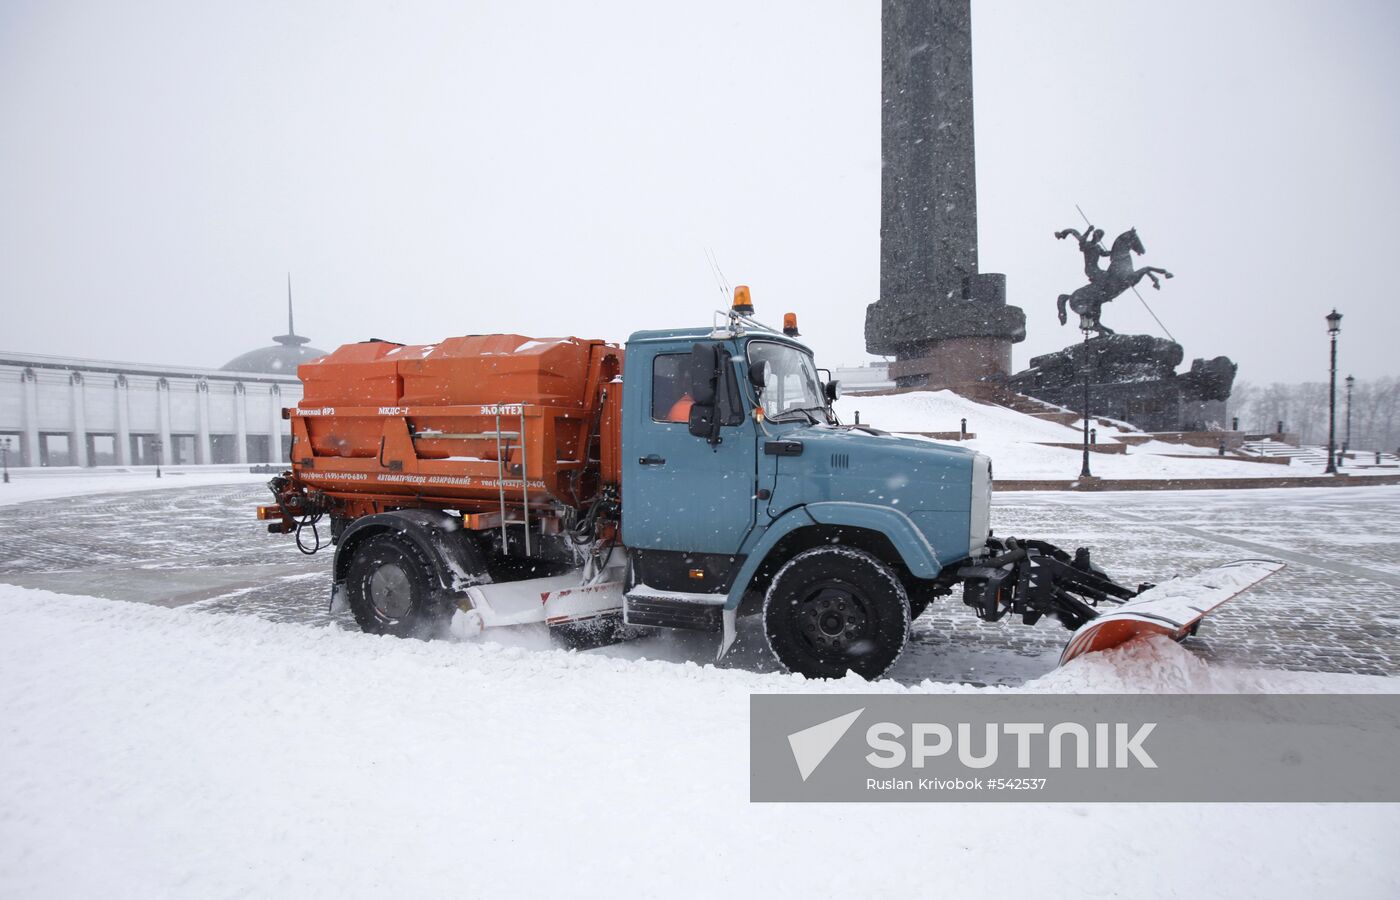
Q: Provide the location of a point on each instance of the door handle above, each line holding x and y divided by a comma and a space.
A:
652, 459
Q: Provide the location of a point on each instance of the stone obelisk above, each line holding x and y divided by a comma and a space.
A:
946, 323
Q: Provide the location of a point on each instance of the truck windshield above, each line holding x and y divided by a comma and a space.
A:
790, 382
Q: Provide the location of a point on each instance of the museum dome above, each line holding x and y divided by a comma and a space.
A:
282, 358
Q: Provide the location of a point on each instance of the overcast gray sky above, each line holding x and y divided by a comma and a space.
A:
436, 168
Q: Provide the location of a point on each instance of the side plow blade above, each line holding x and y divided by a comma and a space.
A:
1174, 608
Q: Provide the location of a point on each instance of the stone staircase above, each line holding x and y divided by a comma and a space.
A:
1317, 456
1363, 458
1040, 409
1129, 434
1306, 455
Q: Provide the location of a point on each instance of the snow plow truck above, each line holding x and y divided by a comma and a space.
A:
684, 480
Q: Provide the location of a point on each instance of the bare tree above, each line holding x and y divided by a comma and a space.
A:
1375, 412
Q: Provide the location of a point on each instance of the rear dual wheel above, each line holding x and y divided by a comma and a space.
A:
833, 610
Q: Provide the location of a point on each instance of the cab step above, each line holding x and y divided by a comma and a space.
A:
672, 609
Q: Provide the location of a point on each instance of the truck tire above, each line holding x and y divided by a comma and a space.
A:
391, 589
833, 610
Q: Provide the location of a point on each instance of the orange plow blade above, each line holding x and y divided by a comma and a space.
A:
1173, 608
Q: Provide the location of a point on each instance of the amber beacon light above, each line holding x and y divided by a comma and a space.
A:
743, 304
790, 325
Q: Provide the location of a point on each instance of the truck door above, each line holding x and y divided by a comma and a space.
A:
683, 492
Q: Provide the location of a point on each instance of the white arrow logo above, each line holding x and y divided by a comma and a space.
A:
811, 745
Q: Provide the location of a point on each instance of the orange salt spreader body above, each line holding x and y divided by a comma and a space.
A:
483, 423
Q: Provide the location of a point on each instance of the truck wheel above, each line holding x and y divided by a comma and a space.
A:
831, 610
391, 589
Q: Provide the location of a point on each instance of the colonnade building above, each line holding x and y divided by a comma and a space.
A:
63, 411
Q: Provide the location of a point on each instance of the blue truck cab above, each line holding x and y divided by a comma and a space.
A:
742, 494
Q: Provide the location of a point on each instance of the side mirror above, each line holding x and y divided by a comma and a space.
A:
715, 392
704, 371
702, 421
758, 375
832, 389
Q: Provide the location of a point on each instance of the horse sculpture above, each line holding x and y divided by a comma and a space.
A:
1105, 284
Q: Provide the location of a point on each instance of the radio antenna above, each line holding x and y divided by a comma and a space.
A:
720, 280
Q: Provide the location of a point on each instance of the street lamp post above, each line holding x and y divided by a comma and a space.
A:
5, 456
1346, 440
1085, 326
155, 446
1334, 325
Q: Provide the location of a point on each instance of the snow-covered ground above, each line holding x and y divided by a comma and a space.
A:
1015, 442
147, 751
154, 752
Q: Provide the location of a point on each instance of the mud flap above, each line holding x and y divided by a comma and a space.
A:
340, 600
1173, 608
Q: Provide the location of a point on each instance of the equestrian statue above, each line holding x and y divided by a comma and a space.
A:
1105, 284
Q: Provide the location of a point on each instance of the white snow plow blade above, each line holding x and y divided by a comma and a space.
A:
558, 600
1172, 608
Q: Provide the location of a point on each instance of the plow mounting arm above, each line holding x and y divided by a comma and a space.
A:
1036, 578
